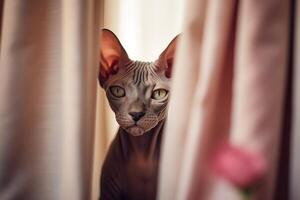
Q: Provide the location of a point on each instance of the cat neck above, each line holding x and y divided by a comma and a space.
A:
146, 145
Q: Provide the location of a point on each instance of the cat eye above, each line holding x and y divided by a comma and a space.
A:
117, 91
159, 94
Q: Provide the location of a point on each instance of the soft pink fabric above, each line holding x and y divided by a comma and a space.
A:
241, 168
231, 87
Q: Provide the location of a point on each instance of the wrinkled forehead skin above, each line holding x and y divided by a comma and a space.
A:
140, 77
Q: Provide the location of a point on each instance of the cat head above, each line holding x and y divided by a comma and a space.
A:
138, 92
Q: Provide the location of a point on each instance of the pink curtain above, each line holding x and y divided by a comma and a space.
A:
229, 86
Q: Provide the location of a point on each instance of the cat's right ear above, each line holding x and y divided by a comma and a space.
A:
165, 61
112, 55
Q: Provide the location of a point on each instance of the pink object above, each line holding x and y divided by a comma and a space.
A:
240, 167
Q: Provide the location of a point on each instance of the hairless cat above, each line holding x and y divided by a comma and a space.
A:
138, 93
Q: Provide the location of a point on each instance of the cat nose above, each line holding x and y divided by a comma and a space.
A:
136, 116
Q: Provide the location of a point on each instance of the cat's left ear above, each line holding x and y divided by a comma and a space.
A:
112, 55
166, 58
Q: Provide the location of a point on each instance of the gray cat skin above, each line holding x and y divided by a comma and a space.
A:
138, 93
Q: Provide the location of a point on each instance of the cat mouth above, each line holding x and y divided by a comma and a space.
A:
135, 126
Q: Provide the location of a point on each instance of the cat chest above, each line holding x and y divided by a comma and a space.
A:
141, 178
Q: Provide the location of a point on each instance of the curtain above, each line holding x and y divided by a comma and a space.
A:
230, 85
144, 28
295, 130
48, 79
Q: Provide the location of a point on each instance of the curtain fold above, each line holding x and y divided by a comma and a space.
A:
233, 77
261, 66
48, 79
294, 148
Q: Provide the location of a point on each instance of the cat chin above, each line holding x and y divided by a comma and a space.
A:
135, 131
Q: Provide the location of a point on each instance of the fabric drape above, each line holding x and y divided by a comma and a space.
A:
229, 86
48, 79
294, 146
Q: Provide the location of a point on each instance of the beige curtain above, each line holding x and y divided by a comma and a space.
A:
144, 28
48, 79
295, 137
229, 85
